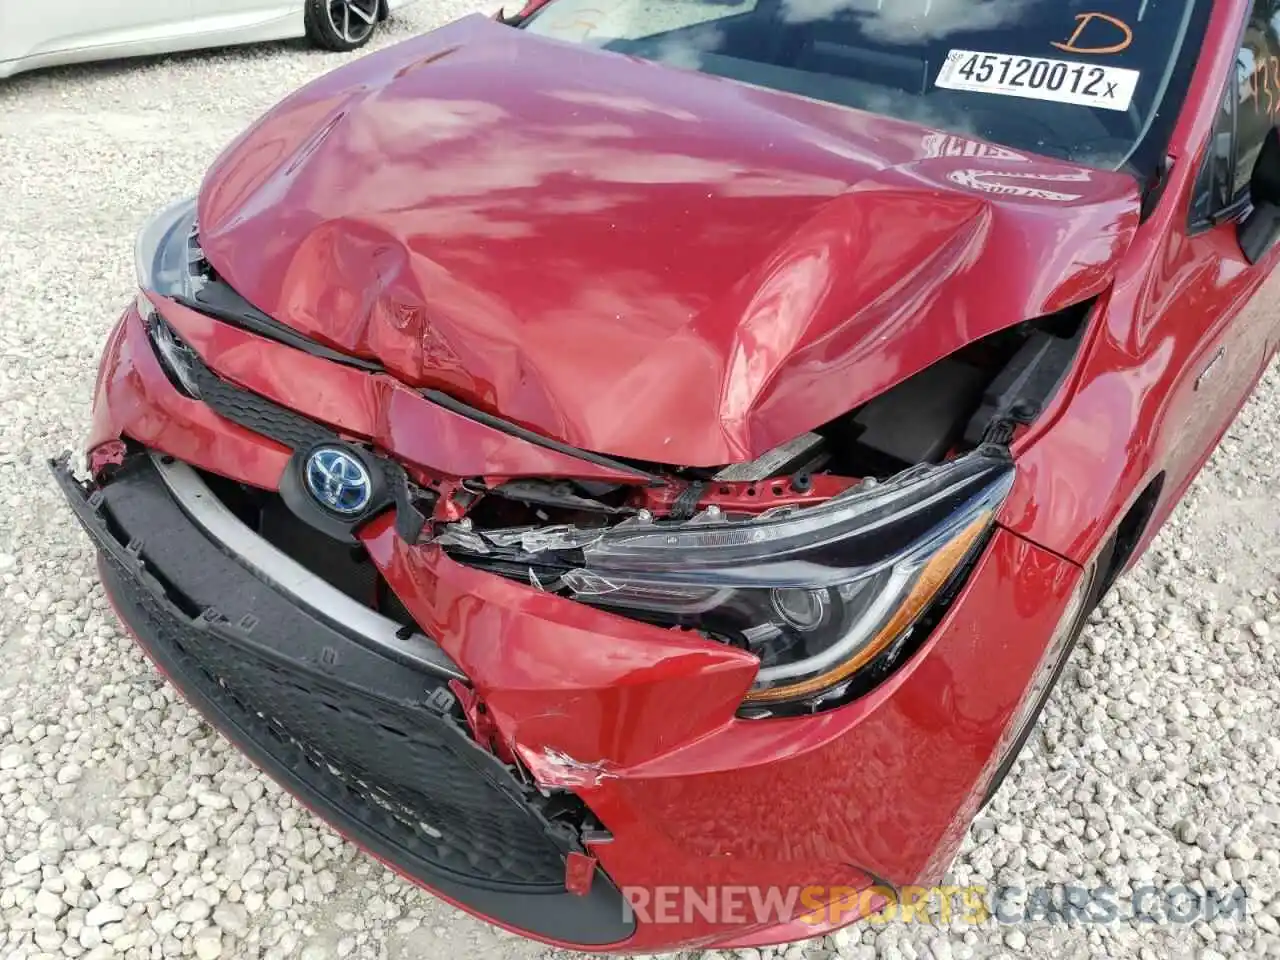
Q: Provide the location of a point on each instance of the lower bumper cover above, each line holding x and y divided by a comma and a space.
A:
375, 747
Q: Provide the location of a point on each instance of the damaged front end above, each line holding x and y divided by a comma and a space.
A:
827, 559
827, 597
489, 666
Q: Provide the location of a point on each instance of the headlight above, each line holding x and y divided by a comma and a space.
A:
162, 257
818, 593
177, 359
161, 254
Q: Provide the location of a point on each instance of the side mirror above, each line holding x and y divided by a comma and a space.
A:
1260, 231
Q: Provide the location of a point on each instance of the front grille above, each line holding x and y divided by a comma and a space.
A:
256, 413
364, 732
397, 769
382, 739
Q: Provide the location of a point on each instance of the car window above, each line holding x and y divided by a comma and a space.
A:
1250, 107
1216, 186
1098, 82
1258, 75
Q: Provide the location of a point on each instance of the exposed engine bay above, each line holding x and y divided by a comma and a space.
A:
980, 395
718, 551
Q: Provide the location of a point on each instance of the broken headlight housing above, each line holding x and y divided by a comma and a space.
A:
178, 360
163, 252
817, 593
163, 259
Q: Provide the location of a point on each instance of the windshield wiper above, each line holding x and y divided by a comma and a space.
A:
218, 299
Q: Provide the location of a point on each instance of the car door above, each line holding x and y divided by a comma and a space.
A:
1225, 306
230, 14
46, 27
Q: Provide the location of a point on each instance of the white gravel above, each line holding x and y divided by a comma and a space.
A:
129, 829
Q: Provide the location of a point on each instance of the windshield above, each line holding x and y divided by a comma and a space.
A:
1096, 82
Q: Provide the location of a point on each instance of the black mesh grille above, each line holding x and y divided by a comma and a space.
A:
372, 741
402, 771
257, 413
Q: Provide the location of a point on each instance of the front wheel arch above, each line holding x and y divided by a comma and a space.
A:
1133, 530
1116, 555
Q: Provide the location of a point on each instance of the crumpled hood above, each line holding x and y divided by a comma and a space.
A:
634, 259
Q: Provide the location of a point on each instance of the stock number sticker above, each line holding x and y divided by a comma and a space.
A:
1039, 78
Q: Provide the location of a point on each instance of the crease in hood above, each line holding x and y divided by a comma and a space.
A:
634, 259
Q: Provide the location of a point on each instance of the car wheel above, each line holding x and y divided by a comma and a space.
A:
342, 24
1042, 686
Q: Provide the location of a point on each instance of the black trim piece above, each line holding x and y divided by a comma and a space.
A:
180, 643
1155, 189
410, 521
219, 300
497, 423
391, 488
1232, 213
1025, 385
178, 545
1115, 556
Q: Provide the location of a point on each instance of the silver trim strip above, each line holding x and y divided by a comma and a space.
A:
286, 574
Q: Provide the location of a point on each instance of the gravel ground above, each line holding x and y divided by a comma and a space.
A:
127, 828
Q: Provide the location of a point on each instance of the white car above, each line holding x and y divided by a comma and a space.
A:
48, 32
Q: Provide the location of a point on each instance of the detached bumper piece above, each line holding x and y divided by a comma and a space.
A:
370, 740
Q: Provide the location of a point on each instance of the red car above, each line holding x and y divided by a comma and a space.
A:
638, 467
